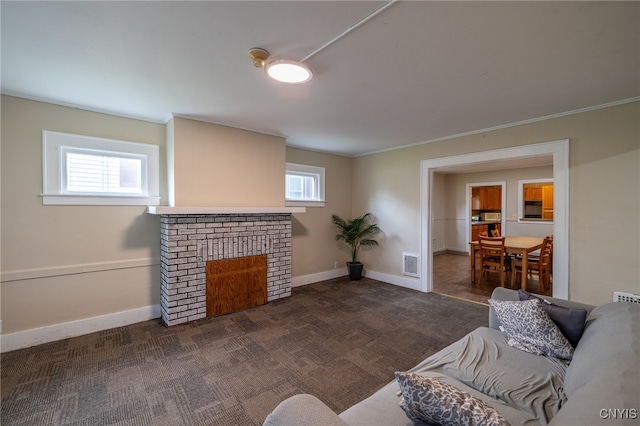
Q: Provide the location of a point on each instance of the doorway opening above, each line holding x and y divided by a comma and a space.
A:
558, 150
485, 205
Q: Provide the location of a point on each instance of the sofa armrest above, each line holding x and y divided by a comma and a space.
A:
303, 409
500, 293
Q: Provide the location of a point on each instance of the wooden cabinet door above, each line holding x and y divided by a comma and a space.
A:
547, 202
482, 194
547, 197
475, 198
494, 198
533, 194
490, 197
475, 229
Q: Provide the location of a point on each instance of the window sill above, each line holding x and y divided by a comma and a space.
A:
289, 203
83, 200
537, 221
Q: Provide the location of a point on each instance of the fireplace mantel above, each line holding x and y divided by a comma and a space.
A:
166, 210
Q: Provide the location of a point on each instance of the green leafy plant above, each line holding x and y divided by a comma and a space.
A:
356, 233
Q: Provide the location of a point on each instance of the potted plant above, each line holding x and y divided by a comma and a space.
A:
355, 233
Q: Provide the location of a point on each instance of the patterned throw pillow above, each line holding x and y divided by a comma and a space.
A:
528, 327
570, 321
430, 400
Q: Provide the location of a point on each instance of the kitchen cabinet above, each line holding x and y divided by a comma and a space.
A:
493, 198
475, 198
547, 202
547, 197
486, 198
533, 193
483, 227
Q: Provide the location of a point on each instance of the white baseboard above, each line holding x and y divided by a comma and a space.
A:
320, 276
50, 333
408, 282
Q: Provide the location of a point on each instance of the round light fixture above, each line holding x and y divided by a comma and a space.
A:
288, 71
291, 72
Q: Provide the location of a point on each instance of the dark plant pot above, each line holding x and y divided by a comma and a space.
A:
355, 270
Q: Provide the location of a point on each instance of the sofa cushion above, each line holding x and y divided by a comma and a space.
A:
602, 383
609, 351
570, 321
529, 328
483, 361
303, 409
433, 401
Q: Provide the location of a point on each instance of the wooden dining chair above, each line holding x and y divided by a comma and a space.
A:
539, 265
492, 258
550, 237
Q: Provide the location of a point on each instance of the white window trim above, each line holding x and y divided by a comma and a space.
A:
52, 167
521, 218
303, 168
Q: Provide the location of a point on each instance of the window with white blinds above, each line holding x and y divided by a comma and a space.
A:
102, 173
87, 170
304, 185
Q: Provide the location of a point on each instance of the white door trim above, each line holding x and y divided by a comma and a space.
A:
559, 150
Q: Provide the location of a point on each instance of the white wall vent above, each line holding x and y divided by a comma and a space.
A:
410, 264
619, 296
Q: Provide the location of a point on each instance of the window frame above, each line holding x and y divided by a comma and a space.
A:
521, 184
55, 145
305, 170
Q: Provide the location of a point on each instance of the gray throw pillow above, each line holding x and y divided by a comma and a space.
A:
433, 401
570, 321
528, 327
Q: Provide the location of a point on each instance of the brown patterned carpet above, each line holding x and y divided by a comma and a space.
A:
338, 340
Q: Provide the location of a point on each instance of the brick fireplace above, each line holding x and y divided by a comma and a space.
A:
191, 237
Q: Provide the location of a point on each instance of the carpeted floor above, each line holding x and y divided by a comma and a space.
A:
338, 340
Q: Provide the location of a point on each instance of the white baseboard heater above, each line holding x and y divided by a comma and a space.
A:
619, 296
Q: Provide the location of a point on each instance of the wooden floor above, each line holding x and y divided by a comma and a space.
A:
451, 278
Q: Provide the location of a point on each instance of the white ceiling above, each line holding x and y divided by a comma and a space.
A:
418, 71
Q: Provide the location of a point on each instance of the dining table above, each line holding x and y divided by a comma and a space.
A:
512, 245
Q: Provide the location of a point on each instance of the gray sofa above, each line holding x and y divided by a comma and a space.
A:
601, 385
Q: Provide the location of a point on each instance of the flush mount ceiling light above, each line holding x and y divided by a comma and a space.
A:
292, 72
296, 71
288, 71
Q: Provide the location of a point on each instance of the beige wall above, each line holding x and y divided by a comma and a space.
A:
66, 263
52, 245
222, 166
604, 185
454, 220
315, 249
84, 261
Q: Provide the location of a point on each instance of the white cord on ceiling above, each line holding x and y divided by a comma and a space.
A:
351, 28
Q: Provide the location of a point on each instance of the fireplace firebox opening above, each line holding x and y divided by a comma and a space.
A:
236, 284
